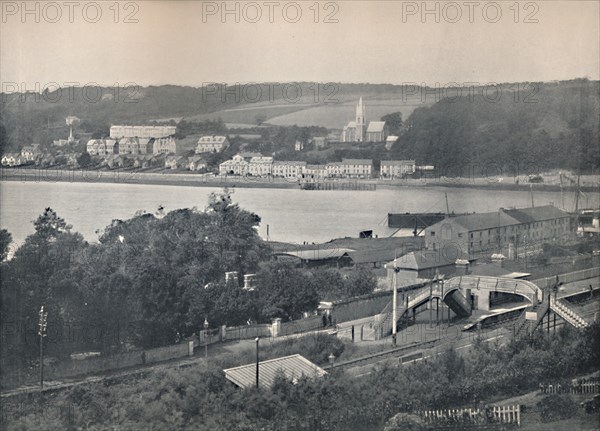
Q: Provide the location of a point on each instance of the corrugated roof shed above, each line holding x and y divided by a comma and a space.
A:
317, 253
291, 367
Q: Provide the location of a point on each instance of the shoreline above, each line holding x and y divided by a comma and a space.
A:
207, 180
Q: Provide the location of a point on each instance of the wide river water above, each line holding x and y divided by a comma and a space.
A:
293, 215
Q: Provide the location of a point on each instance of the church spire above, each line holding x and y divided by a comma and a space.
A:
360, 121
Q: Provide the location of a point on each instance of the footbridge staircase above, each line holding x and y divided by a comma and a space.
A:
567, 313
454, 293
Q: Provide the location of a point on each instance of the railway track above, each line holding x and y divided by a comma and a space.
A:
380, 356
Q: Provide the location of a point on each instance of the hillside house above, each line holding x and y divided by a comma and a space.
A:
174, 162
12, 159
166, 145
102, 147
212, 144
319, 142
196, 163
30, 152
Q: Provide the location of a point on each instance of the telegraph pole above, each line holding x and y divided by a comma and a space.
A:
257, 362
43, 323
205, 338
394, 304
430, 300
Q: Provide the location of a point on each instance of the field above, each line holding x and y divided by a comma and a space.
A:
332, 113
337, 115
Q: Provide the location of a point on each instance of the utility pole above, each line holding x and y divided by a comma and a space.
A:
43, 323
531, 191
430, 299
577, 201
257, 362
394, 303
447, 206
205, 338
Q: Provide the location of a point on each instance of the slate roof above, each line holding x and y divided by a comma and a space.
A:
290, 163
530, 215
397, 162
357, 161
483, 220
419, 260
376, 126
291, 367
506, 217
373, 256
211, 139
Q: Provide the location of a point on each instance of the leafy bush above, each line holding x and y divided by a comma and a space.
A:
556, 406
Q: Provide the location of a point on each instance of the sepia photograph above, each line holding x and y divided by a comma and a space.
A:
310, 215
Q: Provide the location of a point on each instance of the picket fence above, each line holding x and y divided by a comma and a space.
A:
499, 414
582, 388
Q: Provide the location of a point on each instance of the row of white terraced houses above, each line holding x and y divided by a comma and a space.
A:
260, 166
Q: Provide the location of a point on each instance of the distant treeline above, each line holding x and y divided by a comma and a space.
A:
550, 125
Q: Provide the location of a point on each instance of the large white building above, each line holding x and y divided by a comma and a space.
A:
288, 169
212, 144
117, 132
357, 168
396, 168
260, 166
236, 166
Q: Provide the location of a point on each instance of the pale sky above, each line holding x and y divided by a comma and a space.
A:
377, 42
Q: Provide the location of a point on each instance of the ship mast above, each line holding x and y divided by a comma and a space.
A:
577, 195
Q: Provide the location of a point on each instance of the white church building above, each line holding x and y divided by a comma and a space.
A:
358, 131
